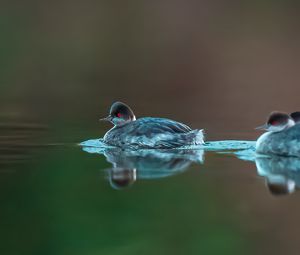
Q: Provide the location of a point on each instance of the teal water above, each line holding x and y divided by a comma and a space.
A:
59, 201
62, 197
130, 165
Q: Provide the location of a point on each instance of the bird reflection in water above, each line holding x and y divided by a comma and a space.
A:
128, 166
282, 174
121, 177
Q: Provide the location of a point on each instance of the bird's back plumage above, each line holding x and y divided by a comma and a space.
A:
153, 133
284, 143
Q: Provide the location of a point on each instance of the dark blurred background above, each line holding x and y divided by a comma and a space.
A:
223, 65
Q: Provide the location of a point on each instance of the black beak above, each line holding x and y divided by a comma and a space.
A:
263, 127
108, 118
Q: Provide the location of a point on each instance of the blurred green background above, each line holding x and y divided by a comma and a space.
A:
210, 61
218, 65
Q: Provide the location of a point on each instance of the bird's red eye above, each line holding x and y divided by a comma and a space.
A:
274, 123
119, 115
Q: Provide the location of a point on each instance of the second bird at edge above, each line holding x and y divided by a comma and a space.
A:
282, 137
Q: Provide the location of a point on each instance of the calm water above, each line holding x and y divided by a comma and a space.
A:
60, 198
218, 65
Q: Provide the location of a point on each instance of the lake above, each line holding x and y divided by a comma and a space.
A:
60, 198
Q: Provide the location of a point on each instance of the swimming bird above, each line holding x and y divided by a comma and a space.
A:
282, 136
147, 132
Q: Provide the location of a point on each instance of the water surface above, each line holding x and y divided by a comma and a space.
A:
61, 198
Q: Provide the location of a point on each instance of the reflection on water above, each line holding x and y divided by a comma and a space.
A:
59, 196
132, 165
282, 174
129, 166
